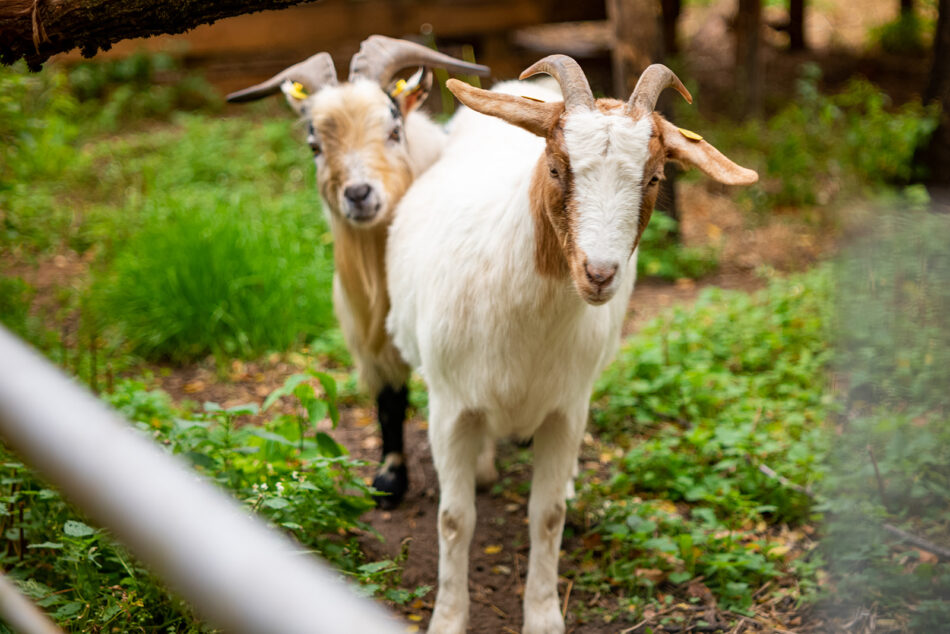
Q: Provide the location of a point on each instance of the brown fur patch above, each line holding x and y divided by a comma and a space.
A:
551, 207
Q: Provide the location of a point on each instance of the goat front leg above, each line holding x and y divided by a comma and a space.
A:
456, 438
556, 445
392, 479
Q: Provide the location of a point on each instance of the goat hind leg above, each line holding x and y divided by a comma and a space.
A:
392, 479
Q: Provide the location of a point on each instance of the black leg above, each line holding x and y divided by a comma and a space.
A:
392, 477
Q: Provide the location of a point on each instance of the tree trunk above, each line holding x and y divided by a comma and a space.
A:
907, 7
748, 57
636, 41
671, 15
796, 25
937, 154
36, 29
640, 39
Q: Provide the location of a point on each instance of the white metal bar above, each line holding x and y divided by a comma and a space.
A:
20, 614
238, 574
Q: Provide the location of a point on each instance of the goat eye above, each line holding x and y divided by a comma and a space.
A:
395, 135
314, 144
554, 172
654, 180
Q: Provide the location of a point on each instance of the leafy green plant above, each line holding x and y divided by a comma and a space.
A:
661, 253
296, 477
904, 35
722, 404
140, 86
820, 147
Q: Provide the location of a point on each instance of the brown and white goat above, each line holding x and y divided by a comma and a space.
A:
510, 266
369, 144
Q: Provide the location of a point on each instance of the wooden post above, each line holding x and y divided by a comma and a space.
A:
796, 25
748, 58
937, 154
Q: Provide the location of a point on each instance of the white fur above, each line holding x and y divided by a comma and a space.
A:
505, 351
607, 157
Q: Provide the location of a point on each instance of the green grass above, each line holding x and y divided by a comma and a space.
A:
206, 232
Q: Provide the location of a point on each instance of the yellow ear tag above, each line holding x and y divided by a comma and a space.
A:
296, 91
689, 134
532, 99
399, 88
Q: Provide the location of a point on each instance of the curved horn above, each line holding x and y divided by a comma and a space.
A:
314, 73
574, 86
654, 80
380, 57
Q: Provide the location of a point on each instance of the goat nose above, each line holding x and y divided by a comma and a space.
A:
600, 273
357, 193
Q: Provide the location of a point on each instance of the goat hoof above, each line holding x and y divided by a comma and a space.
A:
544, 618
393, 482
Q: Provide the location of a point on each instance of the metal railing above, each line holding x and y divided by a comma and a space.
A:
237, 573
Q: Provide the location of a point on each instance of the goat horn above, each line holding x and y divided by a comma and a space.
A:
380, 57
568, 73
654, 80
314, 73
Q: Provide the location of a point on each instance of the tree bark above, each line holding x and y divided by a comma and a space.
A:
937, 154
748, 57
36, 29
796, 25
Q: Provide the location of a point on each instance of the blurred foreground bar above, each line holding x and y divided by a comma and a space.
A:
237, 573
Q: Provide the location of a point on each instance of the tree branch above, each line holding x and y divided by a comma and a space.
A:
919, 542
36, 29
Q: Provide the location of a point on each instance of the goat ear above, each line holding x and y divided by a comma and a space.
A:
296, 97
537, 117
690, 148
410, 93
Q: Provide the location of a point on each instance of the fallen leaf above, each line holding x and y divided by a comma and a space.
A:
927, 557
194, 386
779, 551
653, 574
493, 549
